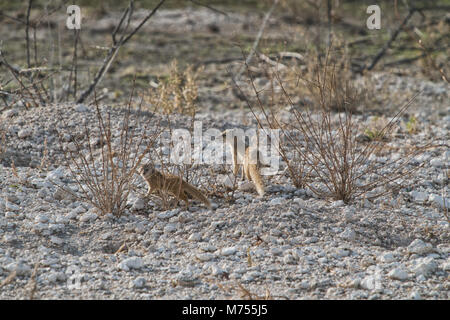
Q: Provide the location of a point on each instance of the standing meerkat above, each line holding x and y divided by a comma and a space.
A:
175, 185
250, 169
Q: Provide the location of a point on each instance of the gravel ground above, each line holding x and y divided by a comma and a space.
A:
287, 245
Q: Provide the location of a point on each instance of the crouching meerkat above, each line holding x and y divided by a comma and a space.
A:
250, 169
175, 185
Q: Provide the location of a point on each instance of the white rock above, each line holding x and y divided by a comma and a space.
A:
227, 181
138, 204
21, 268
419, 197
10, 113
398, 274
446, 265
436, 162
138, 282
228, 251
131, 263
338, 203
41, 218
425, 266
205, 256
55, 174
88, 216
289, 259
277, 201
81, 108
439, 201
245, 186
419, 247
386, 257
9, 238
56, 240
170, 228
348, 234
415, 295
372, 282
168, 214
216, 270
11, 206
26, 132
196, 236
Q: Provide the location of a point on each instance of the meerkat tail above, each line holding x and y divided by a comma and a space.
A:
256, 178
196, 193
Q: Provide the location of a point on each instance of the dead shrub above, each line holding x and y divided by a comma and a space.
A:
319, 142
104, 164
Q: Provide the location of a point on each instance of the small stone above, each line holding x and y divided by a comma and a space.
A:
419, 247
228, 251
372, 282
415, 295
245, 186
168, 214
11, 206
10, 113
277, 201
81, 108
26, 132
348, 234
439, 201
398, 274
205, 256
41, 218
386, 257
138, 204
419, 197
425, 266
446, 265
21, 268
89, 216
138, 282
131, 263
289, 259
216, 270
9, 238
436, 162
196, 236
56, 240
170, 228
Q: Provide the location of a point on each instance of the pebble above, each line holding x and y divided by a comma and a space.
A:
419, 247
228, 251
371, 282
424, 266
24, 133
398, 274
138, 282
88, 216
386, 257
131, 263
196, 236
277, 201
348, 234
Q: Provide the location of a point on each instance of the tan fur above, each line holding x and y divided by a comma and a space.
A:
172, 184
250, 170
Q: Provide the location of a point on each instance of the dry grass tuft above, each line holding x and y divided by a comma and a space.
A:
104, 164
320, 145
177, 93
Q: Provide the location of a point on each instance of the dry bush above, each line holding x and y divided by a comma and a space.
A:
104, 164
177, 93
328, 159
2, 139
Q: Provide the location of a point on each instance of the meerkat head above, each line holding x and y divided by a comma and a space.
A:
146, 169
